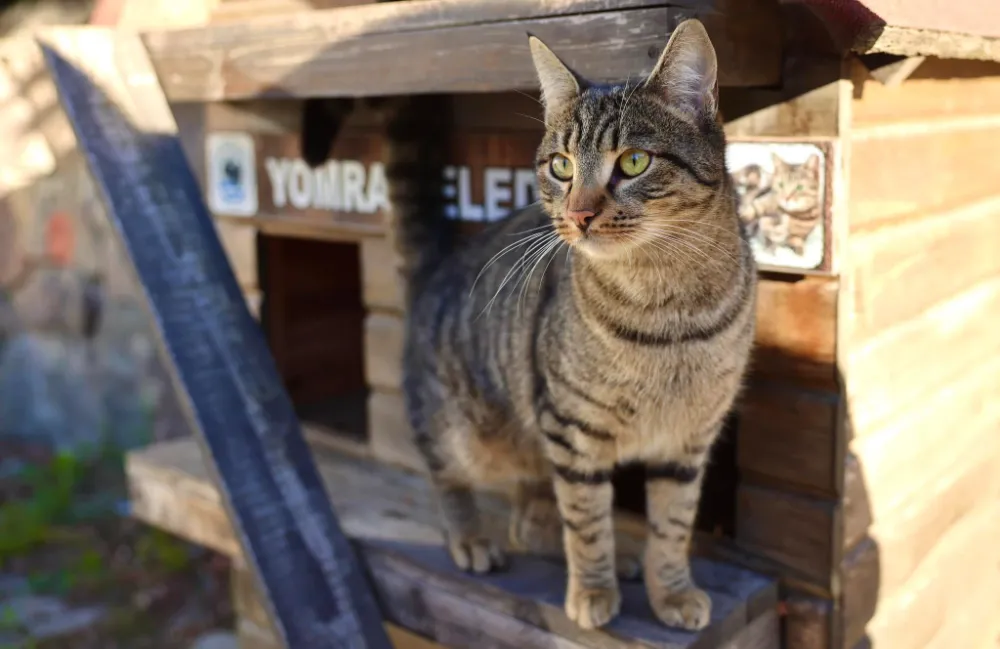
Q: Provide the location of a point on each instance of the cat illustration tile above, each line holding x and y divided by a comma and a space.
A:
783, 197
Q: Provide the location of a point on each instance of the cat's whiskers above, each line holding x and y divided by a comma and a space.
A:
665, 246
621, 116
663, 237
540, 121
553, 247
534, 99
527, 269
519, 264
654, 262
503, 251
669, 228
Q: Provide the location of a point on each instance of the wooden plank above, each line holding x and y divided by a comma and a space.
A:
249, 608
906, 534
240, 244
930, 94
762, 633
389, 432
228, 11
906, 170
382, 286
889, 262
813, 99
890, 70
808, 622
384, 337
219, 358
392, 517
928, 437
797, 532
884, 376
346, 52
860, 590
943, 585
789, 435
796, 331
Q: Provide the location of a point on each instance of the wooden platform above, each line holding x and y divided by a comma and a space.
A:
390, 516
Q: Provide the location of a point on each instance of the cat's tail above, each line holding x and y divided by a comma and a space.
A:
418, 130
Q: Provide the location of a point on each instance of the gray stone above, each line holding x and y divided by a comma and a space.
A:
13, 586
69, 622
216, 640
43, 617
29, 611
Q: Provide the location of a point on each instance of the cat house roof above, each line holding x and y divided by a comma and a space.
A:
961, 29
481, 45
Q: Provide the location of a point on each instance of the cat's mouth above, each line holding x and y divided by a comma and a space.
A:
600, 245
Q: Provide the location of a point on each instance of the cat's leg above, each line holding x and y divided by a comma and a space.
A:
470, 549
673, 489
585, 496
536, 528
796, 243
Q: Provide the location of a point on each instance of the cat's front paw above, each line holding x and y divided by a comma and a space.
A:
688, 609
478, 555
592, 608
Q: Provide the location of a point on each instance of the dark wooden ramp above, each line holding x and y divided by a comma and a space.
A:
390, 515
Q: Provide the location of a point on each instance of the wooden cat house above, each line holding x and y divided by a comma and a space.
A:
855, 499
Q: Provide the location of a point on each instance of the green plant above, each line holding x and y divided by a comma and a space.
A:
26, 522
159, 549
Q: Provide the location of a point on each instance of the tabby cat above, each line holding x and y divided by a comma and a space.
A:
609, 324
786, 207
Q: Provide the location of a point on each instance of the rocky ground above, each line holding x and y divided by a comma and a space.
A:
76, 571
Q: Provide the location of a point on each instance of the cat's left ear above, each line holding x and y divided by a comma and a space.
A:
688, 71
812, 163
559, 84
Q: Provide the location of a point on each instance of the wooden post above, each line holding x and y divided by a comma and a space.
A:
317, 594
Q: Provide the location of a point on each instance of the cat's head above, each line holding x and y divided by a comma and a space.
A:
796, 184
626, 166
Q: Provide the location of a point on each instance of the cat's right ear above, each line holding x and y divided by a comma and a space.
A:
559, 85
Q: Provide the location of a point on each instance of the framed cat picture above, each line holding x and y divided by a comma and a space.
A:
785, 196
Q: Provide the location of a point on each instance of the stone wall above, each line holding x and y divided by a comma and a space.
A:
79, 364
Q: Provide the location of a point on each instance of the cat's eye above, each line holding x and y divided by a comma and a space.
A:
633, 162
562, 167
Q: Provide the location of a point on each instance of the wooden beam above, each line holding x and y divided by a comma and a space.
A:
448, 46
891, 70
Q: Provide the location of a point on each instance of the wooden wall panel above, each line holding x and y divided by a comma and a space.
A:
963, 564
789, 435
797, 532
906, 173
382, 286
937, 88
797, 331
898, 273
887, 374
384, 334
929, 436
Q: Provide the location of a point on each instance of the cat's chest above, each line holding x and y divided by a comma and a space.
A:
671, 404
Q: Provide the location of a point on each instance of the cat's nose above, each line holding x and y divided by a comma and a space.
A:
582, 218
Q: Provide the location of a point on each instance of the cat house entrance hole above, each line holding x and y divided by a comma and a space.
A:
313, 316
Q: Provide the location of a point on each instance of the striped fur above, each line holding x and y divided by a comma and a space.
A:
541, 356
